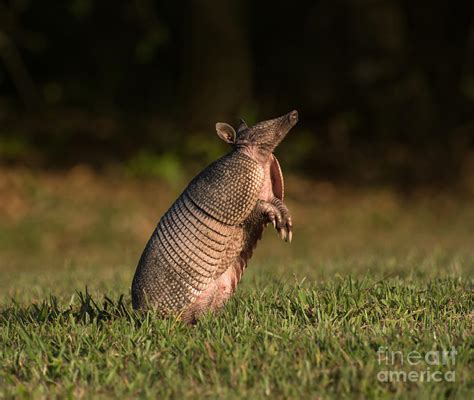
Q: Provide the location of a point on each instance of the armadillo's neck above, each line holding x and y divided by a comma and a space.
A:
263, 157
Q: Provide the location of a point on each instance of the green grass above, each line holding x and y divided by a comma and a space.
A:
275, 339
366, 271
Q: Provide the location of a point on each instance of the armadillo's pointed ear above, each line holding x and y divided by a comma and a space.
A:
242, 125
225, 132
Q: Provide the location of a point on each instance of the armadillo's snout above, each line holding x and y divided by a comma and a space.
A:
293, 117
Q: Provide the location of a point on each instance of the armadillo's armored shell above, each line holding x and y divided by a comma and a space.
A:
228, 189
199, 237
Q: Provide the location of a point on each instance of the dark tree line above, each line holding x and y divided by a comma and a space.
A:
385, 88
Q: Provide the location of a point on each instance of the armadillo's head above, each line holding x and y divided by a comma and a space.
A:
263, 137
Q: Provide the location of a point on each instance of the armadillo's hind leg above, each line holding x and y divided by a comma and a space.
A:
213, 297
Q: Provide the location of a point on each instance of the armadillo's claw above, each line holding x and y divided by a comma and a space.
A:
272, 219
283, 234
289, 227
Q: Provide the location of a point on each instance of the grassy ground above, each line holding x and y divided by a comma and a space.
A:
373, 282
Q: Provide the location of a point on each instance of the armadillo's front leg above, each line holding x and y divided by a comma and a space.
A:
286, 227
277, 213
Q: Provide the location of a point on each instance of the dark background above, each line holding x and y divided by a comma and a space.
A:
385, 89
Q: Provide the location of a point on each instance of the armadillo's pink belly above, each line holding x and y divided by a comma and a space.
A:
214, 296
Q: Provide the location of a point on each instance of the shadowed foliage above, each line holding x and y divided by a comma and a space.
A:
385, 88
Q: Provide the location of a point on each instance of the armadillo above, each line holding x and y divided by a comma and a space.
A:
200, 248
